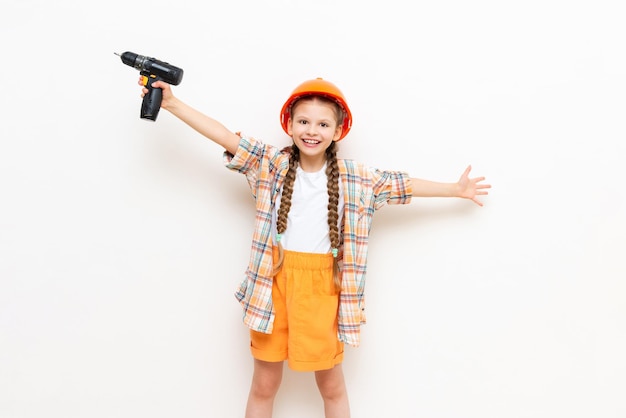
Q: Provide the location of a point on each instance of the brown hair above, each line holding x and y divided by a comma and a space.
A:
332, 173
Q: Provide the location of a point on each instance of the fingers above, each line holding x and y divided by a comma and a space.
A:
157, 84
477, 183
480, 192
475, 179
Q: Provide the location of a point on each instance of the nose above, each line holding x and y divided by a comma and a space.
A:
311, 129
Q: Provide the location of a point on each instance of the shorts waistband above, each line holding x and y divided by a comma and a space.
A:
307, 261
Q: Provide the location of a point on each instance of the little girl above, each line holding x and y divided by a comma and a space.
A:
303, 291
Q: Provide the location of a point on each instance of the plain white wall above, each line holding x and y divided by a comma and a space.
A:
122, 241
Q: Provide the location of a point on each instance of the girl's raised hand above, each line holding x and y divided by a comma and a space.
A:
471, 188
168, 96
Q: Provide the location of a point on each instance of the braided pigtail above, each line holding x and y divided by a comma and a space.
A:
285, 203
332, 173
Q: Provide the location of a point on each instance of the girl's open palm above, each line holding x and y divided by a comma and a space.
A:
471, 188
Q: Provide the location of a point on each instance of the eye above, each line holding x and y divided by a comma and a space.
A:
302, 122
324, 125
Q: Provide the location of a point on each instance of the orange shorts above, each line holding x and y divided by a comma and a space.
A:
305, 326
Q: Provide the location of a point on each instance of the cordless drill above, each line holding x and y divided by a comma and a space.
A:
152, 70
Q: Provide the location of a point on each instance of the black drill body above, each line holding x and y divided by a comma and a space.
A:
151, 70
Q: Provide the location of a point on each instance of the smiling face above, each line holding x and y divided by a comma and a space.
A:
313, 126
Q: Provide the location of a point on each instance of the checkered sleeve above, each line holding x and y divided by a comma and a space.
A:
390, 187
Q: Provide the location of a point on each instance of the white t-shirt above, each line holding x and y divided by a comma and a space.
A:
307, 223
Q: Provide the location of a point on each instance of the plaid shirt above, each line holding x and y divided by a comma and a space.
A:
364, 189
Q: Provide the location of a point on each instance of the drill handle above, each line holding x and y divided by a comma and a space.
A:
151, 103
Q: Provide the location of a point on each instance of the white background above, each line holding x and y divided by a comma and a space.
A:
122, 241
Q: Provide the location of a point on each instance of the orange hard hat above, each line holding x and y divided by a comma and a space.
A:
317, 87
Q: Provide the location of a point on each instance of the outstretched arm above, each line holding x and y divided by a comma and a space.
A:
466, 187
202, 123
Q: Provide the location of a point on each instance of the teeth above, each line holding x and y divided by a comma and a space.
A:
311, 141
